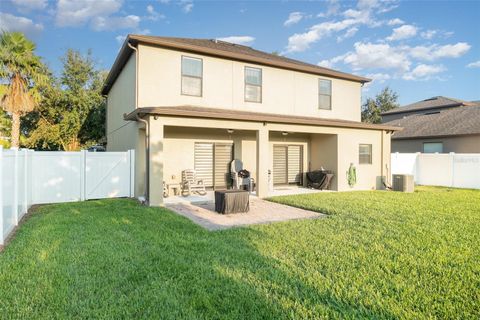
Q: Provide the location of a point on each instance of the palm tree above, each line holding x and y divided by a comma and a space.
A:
23, 72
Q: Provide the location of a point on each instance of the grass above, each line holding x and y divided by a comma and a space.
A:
379, 255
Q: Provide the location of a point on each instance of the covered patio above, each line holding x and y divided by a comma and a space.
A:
276, 150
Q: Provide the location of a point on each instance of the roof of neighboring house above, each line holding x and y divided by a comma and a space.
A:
220, 49
214, 113
449, 122
431, 103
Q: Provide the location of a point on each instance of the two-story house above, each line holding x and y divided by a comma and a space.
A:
198, 104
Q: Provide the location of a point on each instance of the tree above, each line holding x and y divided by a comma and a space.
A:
24, 73
384, 101
72, 114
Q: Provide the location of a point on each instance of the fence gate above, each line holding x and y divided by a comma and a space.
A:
107, 175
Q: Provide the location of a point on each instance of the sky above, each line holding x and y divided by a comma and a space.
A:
420, 49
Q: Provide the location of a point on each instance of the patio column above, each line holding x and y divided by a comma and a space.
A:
262, 162
156, 129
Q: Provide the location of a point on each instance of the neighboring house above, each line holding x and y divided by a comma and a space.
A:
438, 124
198, 104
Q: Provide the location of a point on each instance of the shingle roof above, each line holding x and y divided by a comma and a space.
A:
449, 122
431, 103
238, 115
221, 49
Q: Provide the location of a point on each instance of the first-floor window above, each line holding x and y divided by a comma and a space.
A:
432, 147
192, 76
365, 154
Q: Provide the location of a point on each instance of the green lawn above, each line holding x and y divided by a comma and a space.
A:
379, 255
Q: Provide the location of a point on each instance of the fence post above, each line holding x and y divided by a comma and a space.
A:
1, 195
25, 181
15, 188
452, 158
416, 176
131, 158
83, 173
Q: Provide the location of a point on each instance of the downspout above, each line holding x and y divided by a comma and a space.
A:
147, 130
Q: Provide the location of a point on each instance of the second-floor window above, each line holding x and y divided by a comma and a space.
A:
253, 84
192, 74
324, 94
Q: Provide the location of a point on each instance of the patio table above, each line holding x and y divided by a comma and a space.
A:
232, 201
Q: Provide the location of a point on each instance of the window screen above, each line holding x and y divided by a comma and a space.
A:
253, 84
192, 76
365, 154
324, 94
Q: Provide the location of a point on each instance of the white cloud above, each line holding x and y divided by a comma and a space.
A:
429, 34
399, 58
325, 64
331, 63
379, 77
423, 72
29, 5
333, 7
348, 34
362, 15
9, 22
115, 23
434, 52
79, 12
187, 5
302, 41
153, 14
475, 64
383, 56
293, 18
404, 32
242, 40
120, 38
394, 22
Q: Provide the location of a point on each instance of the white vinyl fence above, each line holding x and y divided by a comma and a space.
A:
34, 177
458, 170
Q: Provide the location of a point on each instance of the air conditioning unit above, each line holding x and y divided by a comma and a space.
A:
403, 183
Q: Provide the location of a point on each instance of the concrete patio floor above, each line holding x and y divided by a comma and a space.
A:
261, 212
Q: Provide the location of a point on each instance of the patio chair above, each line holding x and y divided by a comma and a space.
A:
190, 183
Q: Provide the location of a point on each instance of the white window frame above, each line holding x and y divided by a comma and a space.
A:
370, 147
193, 77
326, 95
253, 85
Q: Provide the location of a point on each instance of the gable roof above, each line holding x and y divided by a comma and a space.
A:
438, 102
238, 115
221, 49
449, 122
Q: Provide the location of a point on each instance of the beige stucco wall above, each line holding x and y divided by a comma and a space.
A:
284, 92
332, 148
126, 135
461, 144
323, 154
121, 134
